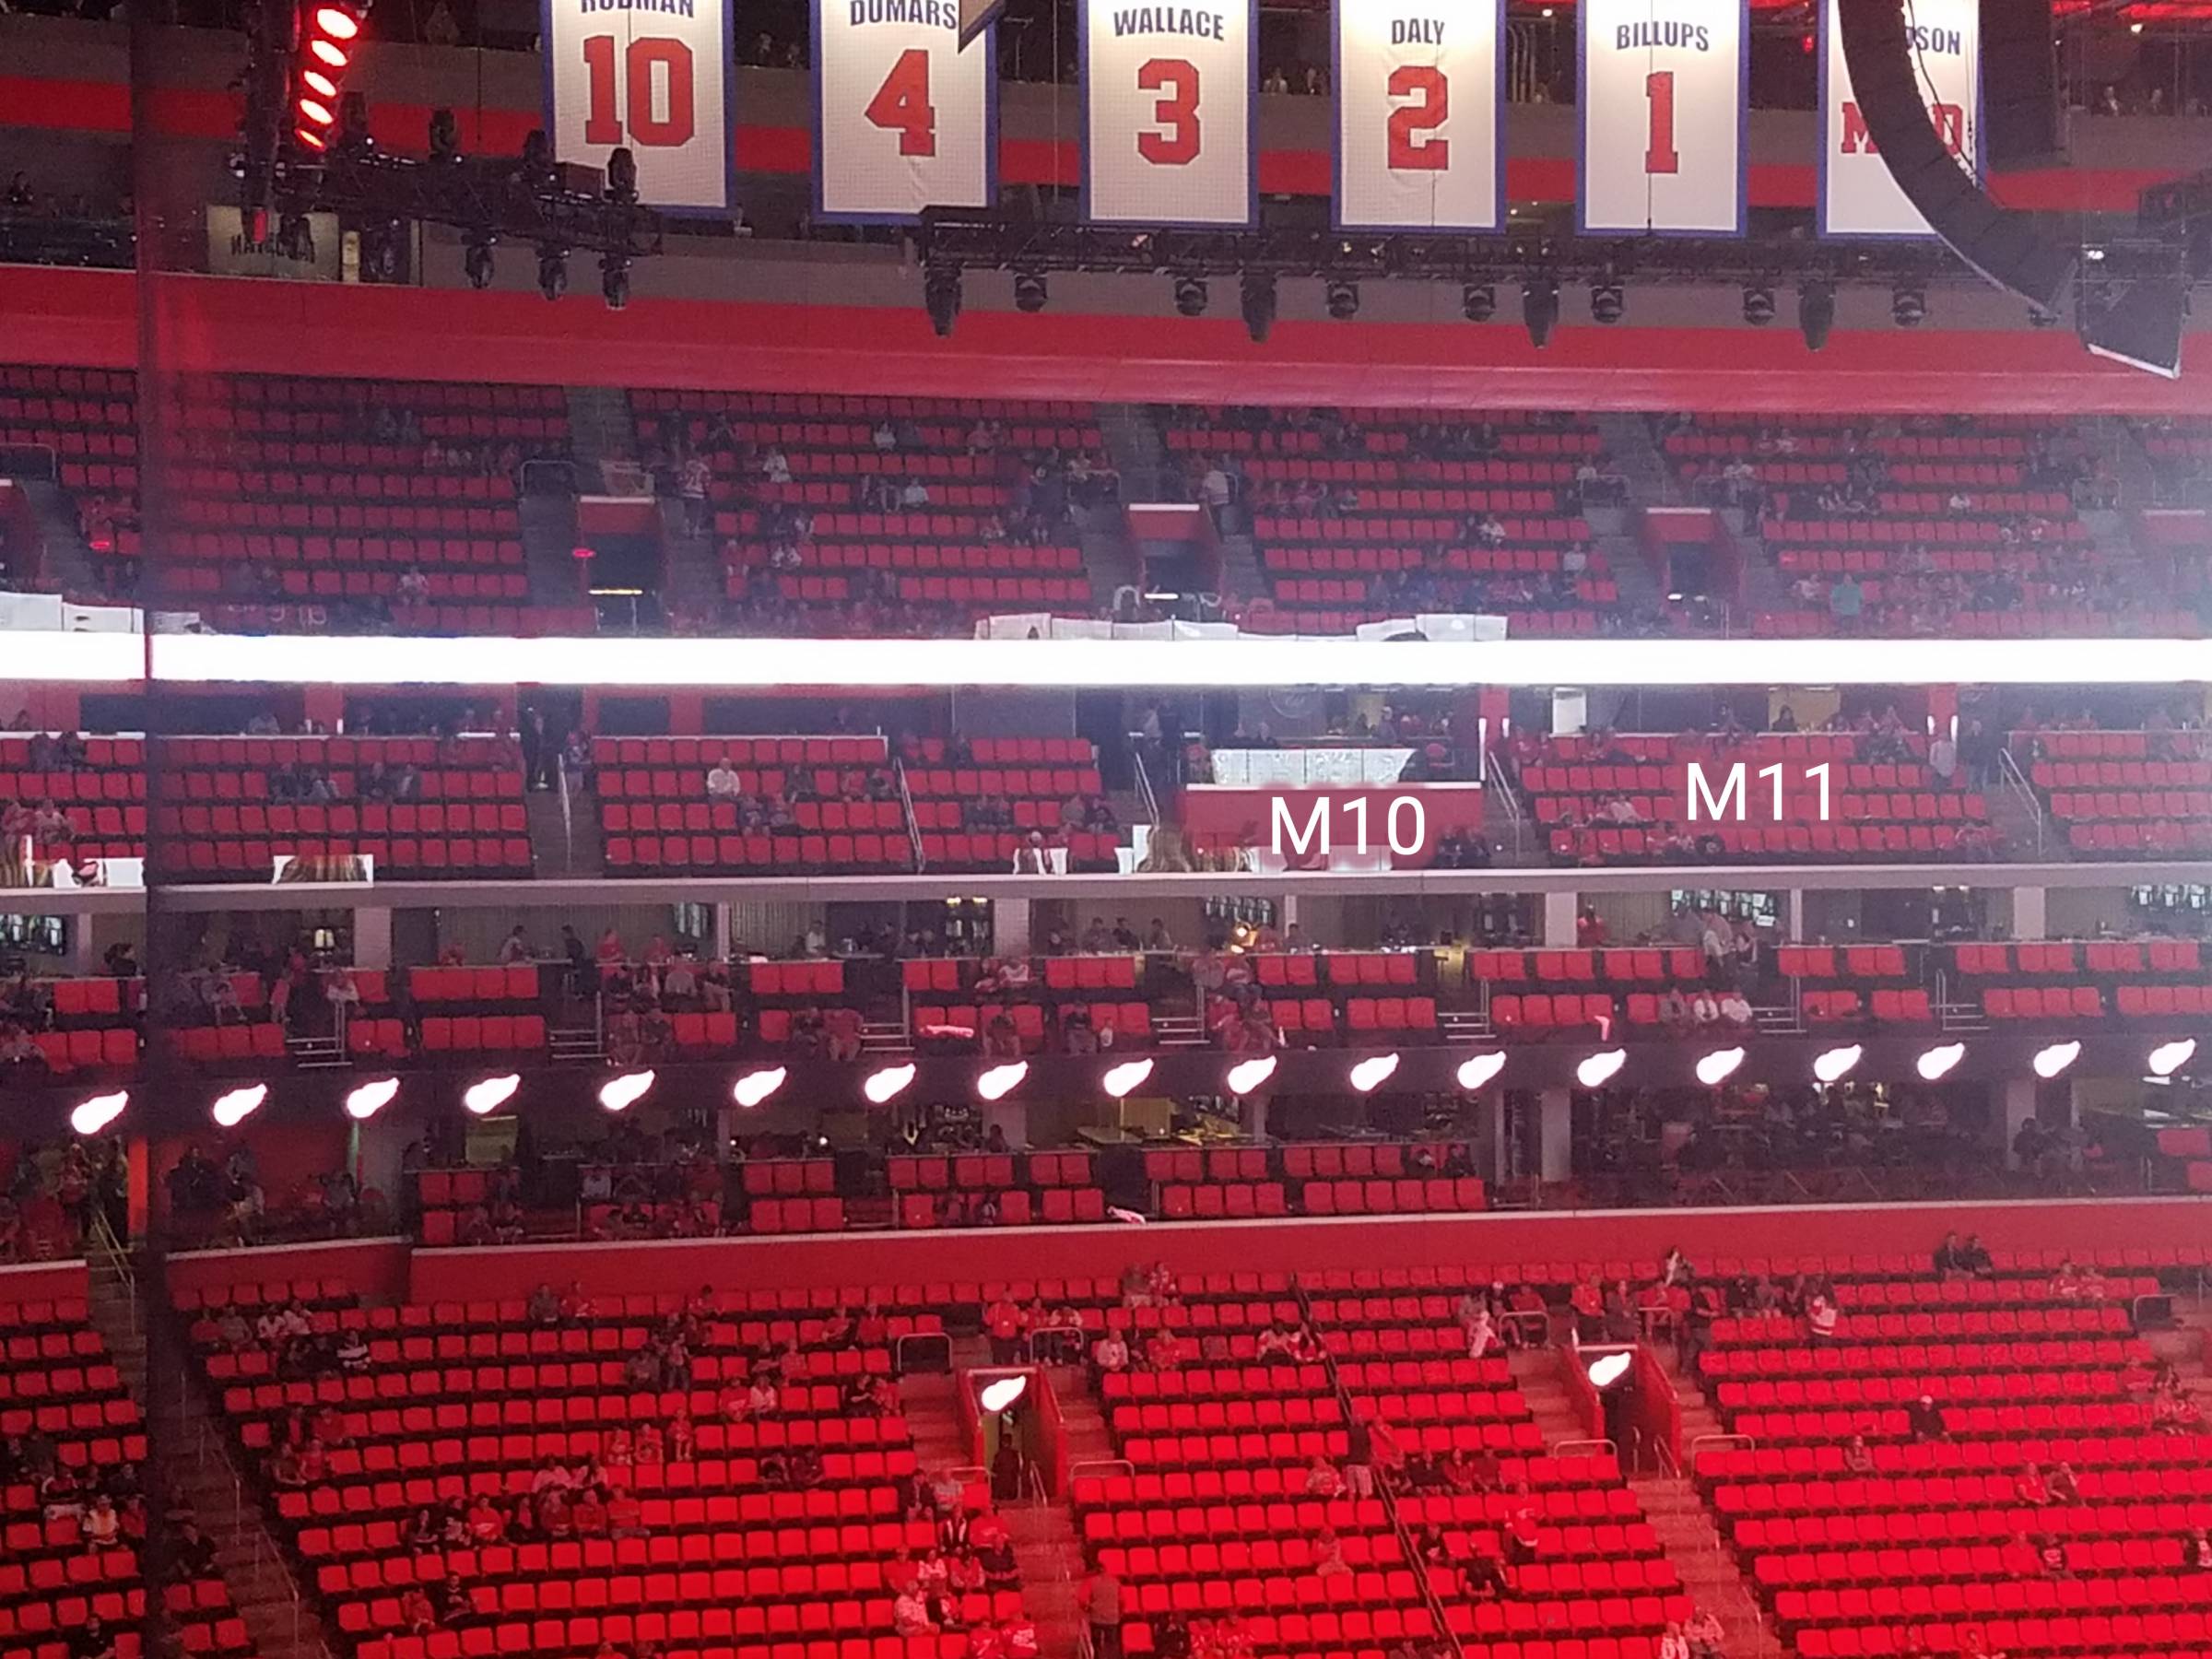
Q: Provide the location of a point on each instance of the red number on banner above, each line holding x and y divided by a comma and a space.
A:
603, 124
1659, 155
1178, 111
1409, 150
902, 104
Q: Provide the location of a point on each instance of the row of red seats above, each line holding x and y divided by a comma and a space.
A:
646, 854
1318, 1017
1055, 1206
1902, 528
1531, 522
252, 860
1001, 557
720, 818
977, 1171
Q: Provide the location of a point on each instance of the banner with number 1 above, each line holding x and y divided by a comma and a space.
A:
655, 77
905, 116
1663, 92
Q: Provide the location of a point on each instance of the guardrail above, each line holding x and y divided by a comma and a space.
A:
1719, 1443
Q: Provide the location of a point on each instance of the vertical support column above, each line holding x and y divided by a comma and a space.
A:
372, 938
1252, 1110
1010, 927
1287, 908
722, 930
1796, 919
1559, 921
1555, 1135
2019, 1106
1492, 1107
2028, 913
83, 962
1011, 1117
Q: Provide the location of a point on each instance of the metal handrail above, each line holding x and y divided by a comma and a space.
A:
1144, 783
1493, 777
1100, 1469
906, 802
102, 1233
2013, 778
53, 460
1720, 1442
1595, 1447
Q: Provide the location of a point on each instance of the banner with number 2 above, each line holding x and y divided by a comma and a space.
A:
1663, 92
1167, 101
654, 76
905, 115
1418, 107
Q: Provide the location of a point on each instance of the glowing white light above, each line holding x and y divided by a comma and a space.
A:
617, 1094
1273, 662
491, 1094
757, 1085
89, 1117
1122, 1080
1717, 1067
1836, 1063
1600, 1070
1001, 1080
1374, 1071
2169, 1057
240, 1104
1479, 1070
2050, 1062
999, 1395
1607, 1370
881, 1086
1248, 1074
369, 1098
1938, 1062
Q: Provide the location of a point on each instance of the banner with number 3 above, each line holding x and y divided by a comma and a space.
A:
654, 76
1168, 96
1417, 114
1663, 89
905, 116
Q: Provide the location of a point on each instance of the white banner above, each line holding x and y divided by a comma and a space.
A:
1418, 110
1858, 194
652, 75
904, 117
1168, 111
1664, 91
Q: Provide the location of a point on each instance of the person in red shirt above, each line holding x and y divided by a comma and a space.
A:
588, 1513
1002, 1323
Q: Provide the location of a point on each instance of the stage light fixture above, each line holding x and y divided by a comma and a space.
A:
1248, 1074
1608, 1369
1255, 296
477, 258
552, 270
492, 1093
1609, 302
369, 1098
757, 1085
1341, 299
620, 1094
622, 175
1540, 308
1938, 1062
613, 280
1717, 1067
1478, 1070
2169, 1057
883, 1086
233, 1109
89, 1117
1908, 305
1191, 296
1030, 292
1122, 1080
1601, 1068
1002, 1392
1372, 1073
1001, 1080
2048, 1062
1478, 302
1759, 303
1834, 1065
1815, 312
941, 298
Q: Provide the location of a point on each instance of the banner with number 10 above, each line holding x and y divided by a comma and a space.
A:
654, 78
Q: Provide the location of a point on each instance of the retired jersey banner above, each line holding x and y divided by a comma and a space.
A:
1859, 195
1664, 85
905, 116
1419, 99
652, 75
1168, 111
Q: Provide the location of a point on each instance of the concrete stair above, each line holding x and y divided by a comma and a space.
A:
67, 565
1537, 1374
564, 839
602, 428
1705, 1565
1051, 1557
1135, 447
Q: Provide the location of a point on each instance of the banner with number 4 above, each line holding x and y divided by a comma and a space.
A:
1168, 96
1663, 89
654, 78
1417, 112
905, 117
